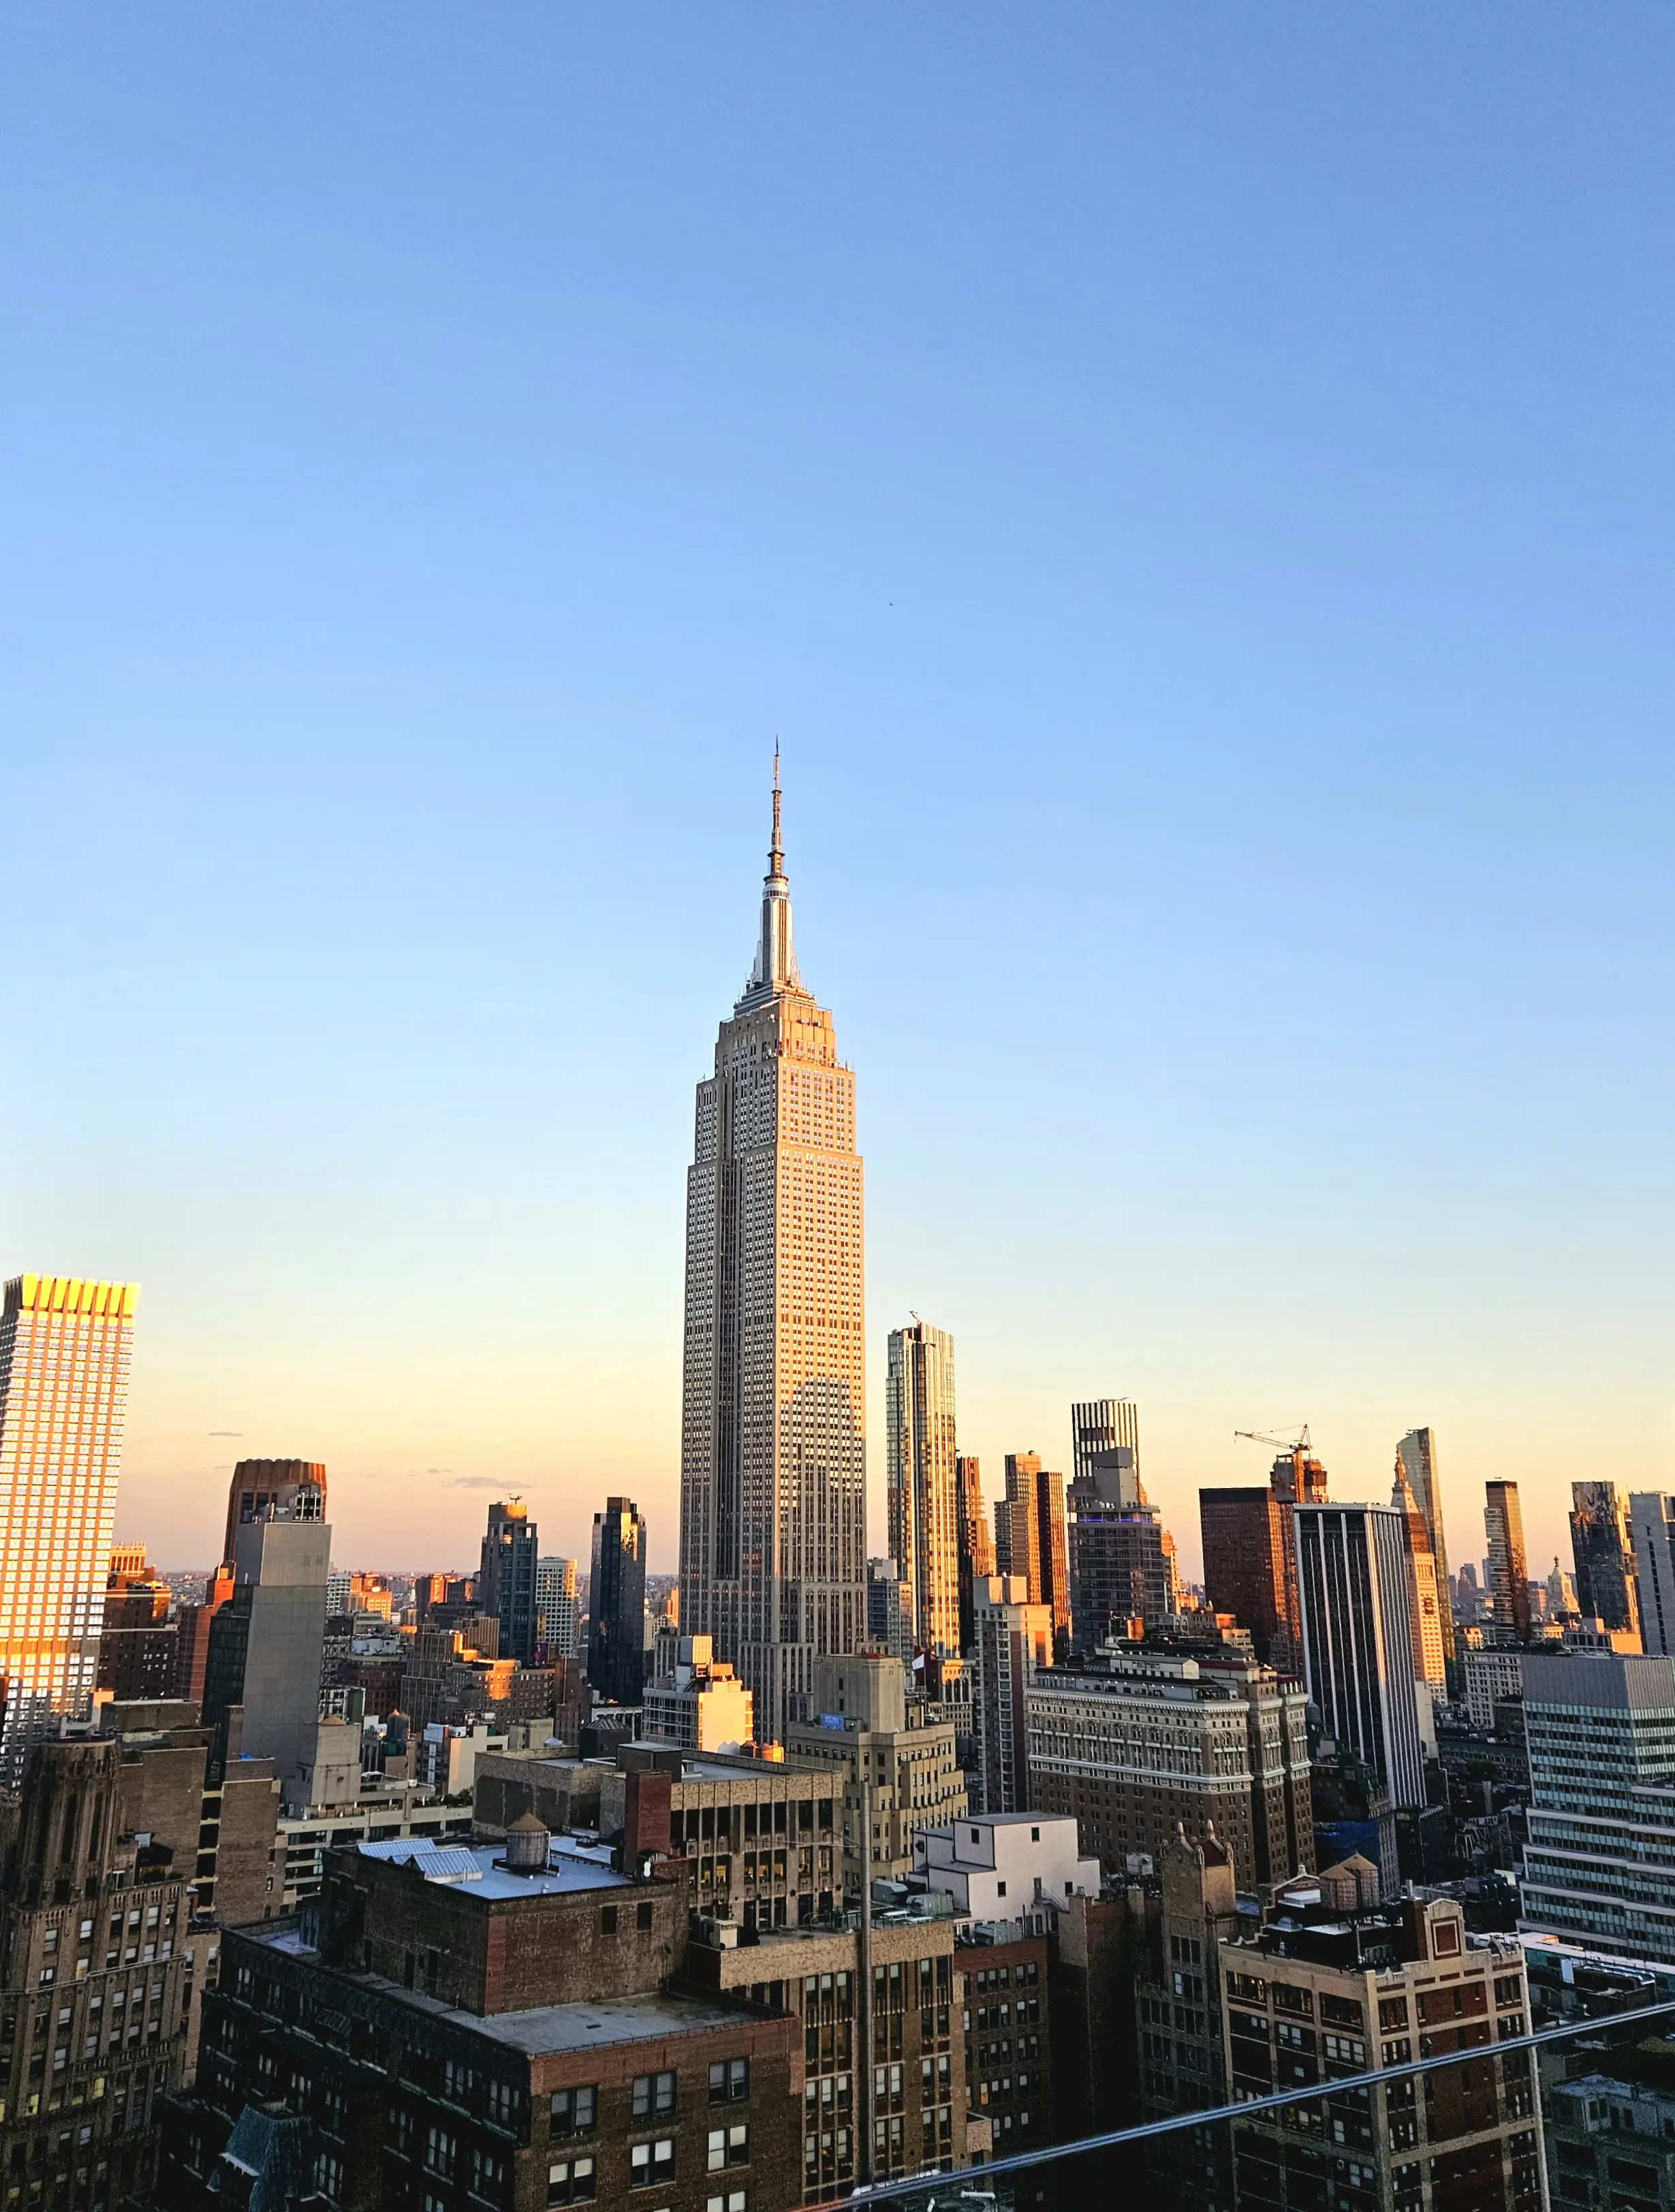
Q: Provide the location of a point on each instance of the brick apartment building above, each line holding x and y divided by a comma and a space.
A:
496, 2025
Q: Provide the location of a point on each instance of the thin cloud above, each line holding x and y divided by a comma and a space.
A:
476, 1482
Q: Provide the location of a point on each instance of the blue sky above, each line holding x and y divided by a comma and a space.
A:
1190, 490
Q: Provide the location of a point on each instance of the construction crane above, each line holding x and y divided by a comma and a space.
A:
1299, 1443
1306, 1485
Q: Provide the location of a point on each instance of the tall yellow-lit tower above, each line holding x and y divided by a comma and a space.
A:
65, 1347
773, 1507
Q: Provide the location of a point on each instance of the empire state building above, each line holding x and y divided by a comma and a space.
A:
773, 1509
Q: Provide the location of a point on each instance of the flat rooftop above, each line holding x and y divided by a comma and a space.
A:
543, 2030
481, 1868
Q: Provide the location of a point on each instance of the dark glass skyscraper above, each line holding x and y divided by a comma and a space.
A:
506, 1583
1605, 1581
616, 1603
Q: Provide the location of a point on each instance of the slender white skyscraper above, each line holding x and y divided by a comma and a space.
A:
65, 1347
773, 1504
924, 1495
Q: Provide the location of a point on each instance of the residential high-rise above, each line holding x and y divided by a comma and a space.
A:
1103, 1424
262, 1676
1249, 1569
260, 1485
616, 1603
773, 1506
1651, 1531
557, 1608
1418, 1453
923, 1488
506, 1578
1352, 1583
1600, 1860
1509, 1586
1605, 1556
1426, 1610
1031, 1538
1121, 1566
1013, 1638
976, 1538
64, 1348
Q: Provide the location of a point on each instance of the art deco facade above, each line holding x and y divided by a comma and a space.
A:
924, 1493
773, 1543
65, 1347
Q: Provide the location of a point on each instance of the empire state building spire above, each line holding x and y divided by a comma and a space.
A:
776, 968
773, 1454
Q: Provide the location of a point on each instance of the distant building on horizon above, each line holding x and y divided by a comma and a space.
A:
1121, 1560
616, 1603
1248, 1570
773, 1454
1605, 1556
1031, 1539
506, 1578
1103, 1424
1652, 1531
65, 1343
1508, 1579
976, 1538
1426, 1607
1417, 1453
557, 1608
921, 1484
262, 1678
261, 1484
1353, 1582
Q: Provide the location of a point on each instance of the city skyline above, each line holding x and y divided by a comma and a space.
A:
1190, 587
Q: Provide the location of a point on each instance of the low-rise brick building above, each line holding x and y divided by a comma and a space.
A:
1008, 2037
495, 2026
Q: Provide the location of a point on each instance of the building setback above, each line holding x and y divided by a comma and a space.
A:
1148, 1742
